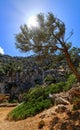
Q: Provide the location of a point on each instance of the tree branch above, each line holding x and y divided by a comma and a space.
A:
71, 33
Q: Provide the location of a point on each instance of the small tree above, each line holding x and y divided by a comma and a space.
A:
45, 39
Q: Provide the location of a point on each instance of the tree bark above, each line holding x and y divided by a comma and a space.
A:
71, 65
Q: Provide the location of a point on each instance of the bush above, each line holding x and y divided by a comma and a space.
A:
58, 87
27, 109
37, 99
34, 103
49, 79
70, 81
35, 94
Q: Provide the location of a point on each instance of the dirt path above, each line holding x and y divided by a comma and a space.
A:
27, 124
30, 123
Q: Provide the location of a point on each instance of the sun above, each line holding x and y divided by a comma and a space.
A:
32, 22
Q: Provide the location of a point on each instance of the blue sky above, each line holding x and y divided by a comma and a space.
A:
14, 13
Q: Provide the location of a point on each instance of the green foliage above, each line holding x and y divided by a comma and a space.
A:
35, 102
74, 52
37, 99
49, 79
47, 39
56, 88
51, 31
28, 109
2, 70
34, 93
71, 80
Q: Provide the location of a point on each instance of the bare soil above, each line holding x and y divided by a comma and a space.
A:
31, 123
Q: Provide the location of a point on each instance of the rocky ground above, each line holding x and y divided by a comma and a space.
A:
56, 118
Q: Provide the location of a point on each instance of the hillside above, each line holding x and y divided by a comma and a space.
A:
51, 102
19, 74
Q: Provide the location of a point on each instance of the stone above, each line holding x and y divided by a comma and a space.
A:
54, 121
60, 109
58, 99
42, 116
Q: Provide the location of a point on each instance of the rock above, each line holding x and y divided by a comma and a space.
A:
74, 92
68, 112
42, 116
67, 125
8, 104
75, 115
41, 124
77, 127
4, 98
58, 99
54, 121
60, 109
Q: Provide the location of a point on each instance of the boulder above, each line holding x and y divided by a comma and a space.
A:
58, 99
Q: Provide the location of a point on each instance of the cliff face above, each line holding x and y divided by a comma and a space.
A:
2, 87
18, 74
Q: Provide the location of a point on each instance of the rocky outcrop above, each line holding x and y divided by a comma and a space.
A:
63, 118
2, 87
61, 108
66, 98
74, 92
4, 98
72, 122
59, 99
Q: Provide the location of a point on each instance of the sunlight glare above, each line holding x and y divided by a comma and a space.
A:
32, 22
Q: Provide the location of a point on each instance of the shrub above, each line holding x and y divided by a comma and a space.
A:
58, 87
28, 109
37, 99
49, 79
70, 81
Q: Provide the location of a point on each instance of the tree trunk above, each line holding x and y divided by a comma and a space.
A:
71, 65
